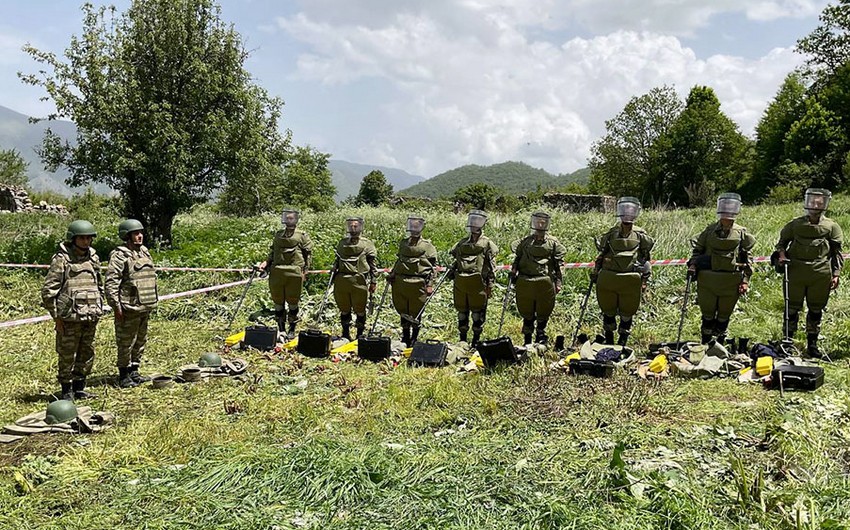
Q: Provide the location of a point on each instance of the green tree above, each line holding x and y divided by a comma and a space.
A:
702, 153
13, 168
828, 46
816, 142
480, 195
622, 162
374, 190
165, 111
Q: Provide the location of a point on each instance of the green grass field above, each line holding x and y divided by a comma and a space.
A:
368, 446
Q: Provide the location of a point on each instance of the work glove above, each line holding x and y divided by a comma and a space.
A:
373, 287
594, 274
692, 273
743, 288
833, 285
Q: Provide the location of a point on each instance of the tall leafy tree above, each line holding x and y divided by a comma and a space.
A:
828, 46
374, 190
13, 168
622, 162
165, 110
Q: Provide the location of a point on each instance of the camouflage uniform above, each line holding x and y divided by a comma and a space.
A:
288, 260
72, 293
130, 287
474, 274
354, 270
410, 277
538, 264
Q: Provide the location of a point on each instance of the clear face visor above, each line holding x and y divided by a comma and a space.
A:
354, 226
628, 211
289, 218
475, 222
539, 222
816, 200
728, 207
415, 225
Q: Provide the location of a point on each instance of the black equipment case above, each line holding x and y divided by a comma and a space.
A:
430, 353
374, 348
592, 367
797, 377
314, 343
495, 351
263, 338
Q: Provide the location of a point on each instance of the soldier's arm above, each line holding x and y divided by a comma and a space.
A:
518, 248
836, 240
307, 252
53, 284
489, 272
558, 253
745, 254
270, 256
698, 245
646, 245
372, 260
431, 256
98, 276
114, 275
785, 237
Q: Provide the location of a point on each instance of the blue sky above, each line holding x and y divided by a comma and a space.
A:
428, 85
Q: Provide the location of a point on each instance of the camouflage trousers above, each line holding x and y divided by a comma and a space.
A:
131, 335
75, 347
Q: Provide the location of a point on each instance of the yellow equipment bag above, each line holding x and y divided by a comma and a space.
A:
235, 339
345, 348
764, 365
658, 364
570, 357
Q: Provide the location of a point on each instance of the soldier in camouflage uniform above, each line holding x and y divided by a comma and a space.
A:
811, 244
355, 274
130, 288
537, 270
473, 272
289, 259
622, 270
721, 263
73, 295
412, 277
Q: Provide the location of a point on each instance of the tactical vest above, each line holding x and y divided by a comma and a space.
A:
79, 299
724, 250
810, 242
413, 260
535, 256
351, 257
286, 251
622, 252
470, 256
139, 287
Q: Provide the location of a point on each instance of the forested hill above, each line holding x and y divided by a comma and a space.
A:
510, 177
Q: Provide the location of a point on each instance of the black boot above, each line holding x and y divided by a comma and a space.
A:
292, 318
625, 330
707, 330
345, 320
609, 324
541, 337
414, 335
463, 325
280, 318
527, 330
136, 376
79, 387
720, 327
67, 392
124, 379
812, 349
360, 325
405, 334
463, 335
476, 336
793, 324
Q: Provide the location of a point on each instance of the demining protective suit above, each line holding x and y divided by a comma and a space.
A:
412, 277
622, 270
538, 258
131, 291
73, 295
721, 262
473, 272
355, 272
812, 243
289, 260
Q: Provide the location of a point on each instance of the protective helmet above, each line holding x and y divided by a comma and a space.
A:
210, 360
289, 217
628, 209
127, 226
728, 206
354, 226
60, 411
415, 225
476, 220
540, 221
80, 227
816, 200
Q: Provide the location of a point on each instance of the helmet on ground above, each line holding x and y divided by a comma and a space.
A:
415, 225
60, 411
210, 360
289, 217
476, 220
728, 206
816, 200
127, 226
354, 226
540, 221
80, 227
628, 209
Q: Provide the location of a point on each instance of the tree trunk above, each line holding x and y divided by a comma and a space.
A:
160, 229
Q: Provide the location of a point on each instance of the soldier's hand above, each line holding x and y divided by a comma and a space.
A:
262, 266
60, 326
373, 287
429, 290
119, 314
644, 286
833, 285
304, 276
743, 288
594, 274
390, 278
692, 273
783, 258
557, 287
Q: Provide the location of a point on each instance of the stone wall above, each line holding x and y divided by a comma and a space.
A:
573, 202
14, 199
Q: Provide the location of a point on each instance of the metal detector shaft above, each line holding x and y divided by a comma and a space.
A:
418, 318
242, 298
684, 310
786, 316
583, 309
505, 303
380, 306
325, 297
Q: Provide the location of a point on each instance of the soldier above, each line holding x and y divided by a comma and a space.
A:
622, 270
811, 244
412, 277
474, 274
130, 288
721, 263
537, 270
73, 296
289, 258
355, 275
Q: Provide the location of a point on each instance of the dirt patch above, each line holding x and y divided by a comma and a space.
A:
12, 454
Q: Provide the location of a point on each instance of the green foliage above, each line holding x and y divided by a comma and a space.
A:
165, 111
374, 190
507, 177
480, 196
827, 47
13, 168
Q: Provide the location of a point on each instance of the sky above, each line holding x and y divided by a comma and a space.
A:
429, 85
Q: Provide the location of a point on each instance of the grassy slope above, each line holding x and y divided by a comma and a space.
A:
366, 446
